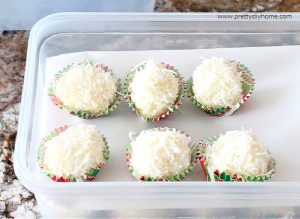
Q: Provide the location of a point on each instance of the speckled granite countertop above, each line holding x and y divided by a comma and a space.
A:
15, 201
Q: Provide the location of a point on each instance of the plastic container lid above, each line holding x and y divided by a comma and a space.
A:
21, 15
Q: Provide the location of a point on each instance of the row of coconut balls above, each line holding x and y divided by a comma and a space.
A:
152, 89
78, 152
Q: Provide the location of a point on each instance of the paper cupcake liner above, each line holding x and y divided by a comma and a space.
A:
247, 87
177, 177
175, 106
88, 176
216, 175
80, 112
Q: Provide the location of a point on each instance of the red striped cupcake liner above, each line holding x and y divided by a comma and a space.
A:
174, 107
80, 112
247, 87
177, 177
88, 176
217, 176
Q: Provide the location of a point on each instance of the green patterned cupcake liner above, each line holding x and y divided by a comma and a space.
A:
132, 105
217, 176
177, 177
88, 176
85, 114
247, 87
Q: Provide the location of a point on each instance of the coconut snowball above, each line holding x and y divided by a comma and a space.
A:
238, 152
154, 89
217, 82
160, 153
74, 151
86, 87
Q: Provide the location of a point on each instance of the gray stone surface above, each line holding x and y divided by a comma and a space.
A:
227, 6
15, 200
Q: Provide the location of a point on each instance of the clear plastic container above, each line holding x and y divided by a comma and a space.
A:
124, 197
